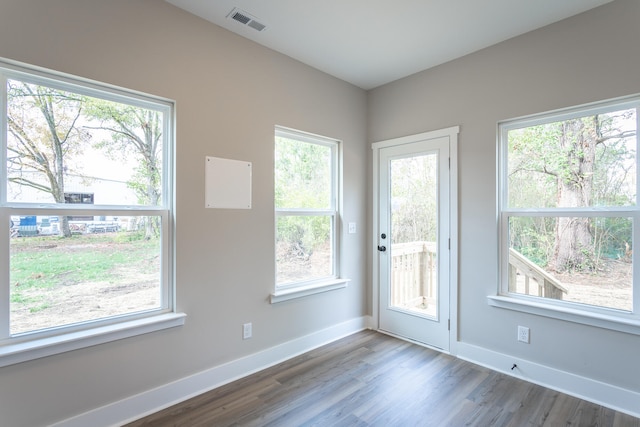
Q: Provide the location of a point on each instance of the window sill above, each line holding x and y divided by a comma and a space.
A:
303, 291
13, 353
614, 322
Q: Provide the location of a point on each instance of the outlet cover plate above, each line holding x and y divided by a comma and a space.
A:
247, 331
352, 228
523, 334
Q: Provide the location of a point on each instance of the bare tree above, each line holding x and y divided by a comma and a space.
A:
43, 135
134, 132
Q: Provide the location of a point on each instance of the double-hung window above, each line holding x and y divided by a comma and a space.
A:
86, 199
306, 211
569, 214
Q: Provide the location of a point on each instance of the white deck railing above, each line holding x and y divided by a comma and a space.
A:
413, 274
527, 278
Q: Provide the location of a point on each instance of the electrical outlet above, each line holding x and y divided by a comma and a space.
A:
352, 228
246, 331
523, 334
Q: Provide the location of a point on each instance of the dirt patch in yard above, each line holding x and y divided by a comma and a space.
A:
66, 297
609, 286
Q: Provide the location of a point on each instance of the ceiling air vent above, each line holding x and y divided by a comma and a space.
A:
246, 19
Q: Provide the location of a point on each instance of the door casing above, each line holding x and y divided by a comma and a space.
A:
452, 134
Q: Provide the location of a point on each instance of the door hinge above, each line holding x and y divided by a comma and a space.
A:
449, 243
448, 324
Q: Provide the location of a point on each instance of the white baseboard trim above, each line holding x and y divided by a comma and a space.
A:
151, 401
623, 400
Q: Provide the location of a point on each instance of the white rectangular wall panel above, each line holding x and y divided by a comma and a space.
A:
227, 183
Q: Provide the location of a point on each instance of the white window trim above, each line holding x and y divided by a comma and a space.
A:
612, 319
292, 290
33, 345
306, 290
537, 306
22, 351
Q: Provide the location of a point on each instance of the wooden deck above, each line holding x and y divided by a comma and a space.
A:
414, 277
525, 277
371, 379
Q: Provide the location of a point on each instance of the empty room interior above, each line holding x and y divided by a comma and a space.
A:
251, 256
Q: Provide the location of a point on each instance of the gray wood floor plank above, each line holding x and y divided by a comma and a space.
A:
369, 379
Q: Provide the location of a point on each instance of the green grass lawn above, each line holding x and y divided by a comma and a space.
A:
51, 262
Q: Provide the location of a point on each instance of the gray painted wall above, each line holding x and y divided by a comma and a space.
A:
590, 57
230, 93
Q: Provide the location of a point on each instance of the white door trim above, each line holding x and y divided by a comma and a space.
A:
452, 133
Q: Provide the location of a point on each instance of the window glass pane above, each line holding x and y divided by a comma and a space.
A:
581, 162
303, 174
109, 266
63, 147
585, 260
304, 248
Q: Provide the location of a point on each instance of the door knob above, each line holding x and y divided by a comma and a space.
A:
382, 248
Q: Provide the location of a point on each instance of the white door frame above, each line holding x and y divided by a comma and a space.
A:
452, 134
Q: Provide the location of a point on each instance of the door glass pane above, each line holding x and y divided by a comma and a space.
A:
414, 225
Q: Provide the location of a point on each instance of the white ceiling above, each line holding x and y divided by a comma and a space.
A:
372, 42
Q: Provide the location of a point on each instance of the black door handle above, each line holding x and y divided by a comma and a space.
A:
382, 248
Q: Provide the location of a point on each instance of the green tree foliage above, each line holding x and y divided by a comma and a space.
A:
414, 199
302, 174
302, 183
576, 163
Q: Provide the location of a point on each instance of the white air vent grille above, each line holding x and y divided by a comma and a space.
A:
241, 18
256, 25
246, 19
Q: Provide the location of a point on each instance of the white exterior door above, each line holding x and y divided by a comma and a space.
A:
413, 237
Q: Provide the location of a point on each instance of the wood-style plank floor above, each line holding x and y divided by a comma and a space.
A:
371, 379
